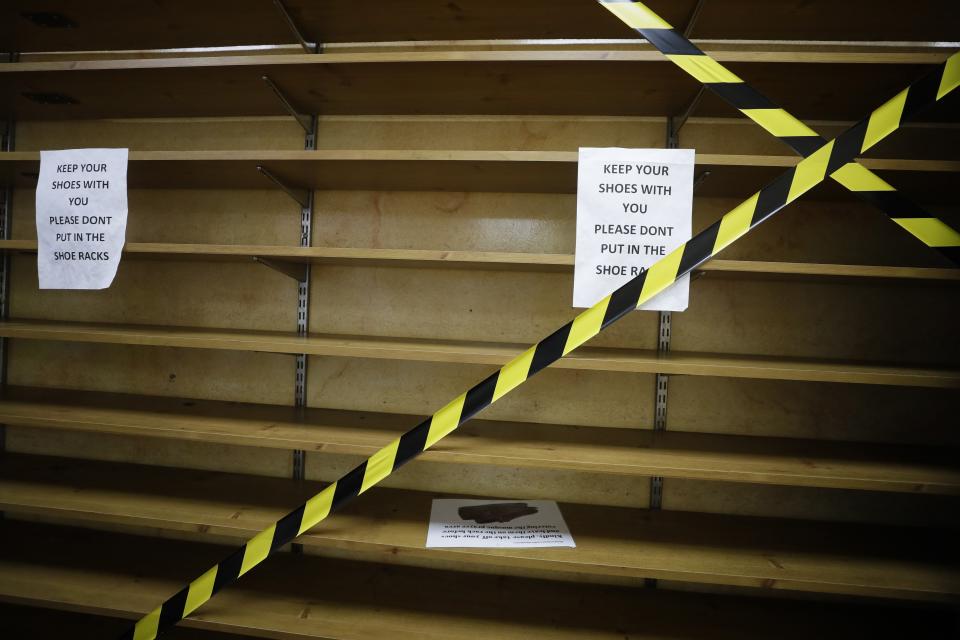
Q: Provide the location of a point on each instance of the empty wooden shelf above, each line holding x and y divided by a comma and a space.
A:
439, 170
307, 597
810, 84
416, 349
611, 542
628, 452
496, 260
101, 24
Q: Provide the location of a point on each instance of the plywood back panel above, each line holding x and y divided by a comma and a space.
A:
522, 222
229, 295
810, 504
883, 321
440, 304
845, 231
818, 411
167, 453
527, 133
156, 133
419, 389
190, 373
212, 216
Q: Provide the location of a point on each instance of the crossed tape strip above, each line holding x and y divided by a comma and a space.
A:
825, 161
929, 229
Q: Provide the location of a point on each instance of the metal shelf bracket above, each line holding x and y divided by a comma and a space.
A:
296, 270
308, 46
308, 122
694, 16
675, 123
300, 195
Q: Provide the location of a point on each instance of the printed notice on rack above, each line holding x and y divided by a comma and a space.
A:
634, 206
503, 524
81, 217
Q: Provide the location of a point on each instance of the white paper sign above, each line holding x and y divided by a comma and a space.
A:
634, 206
81, 217
497, 523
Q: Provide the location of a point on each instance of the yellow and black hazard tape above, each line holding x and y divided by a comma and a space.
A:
929, 229
828, 159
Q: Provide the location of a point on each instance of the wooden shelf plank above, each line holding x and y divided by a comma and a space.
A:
456, 170
495, 260
764, 52
816, 270
415, 258
529, 81
296, 597
628, 452
483, 353
101, 24
611, 542
751, 50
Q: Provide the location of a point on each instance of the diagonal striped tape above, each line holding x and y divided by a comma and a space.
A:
760, 206
927, 228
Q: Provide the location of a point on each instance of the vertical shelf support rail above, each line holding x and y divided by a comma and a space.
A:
6, 213
674, 124
303, 197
